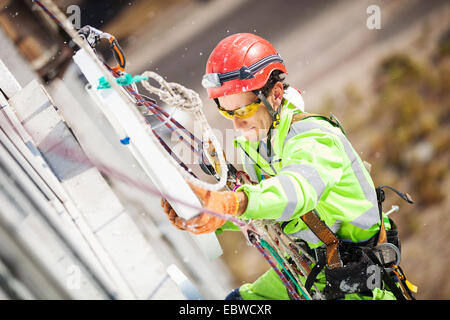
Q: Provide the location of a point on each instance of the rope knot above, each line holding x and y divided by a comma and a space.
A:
173, 93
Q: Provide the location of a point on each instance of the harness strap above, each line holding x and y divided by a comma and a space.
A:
300, 116
331, 119
321, 230
313, 275
382, 238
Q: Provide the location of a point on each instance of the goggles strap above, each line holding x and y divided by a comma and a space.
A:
217, 102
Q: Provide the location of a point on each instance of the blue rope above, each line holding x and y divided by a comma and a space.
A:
283, 279
280, 261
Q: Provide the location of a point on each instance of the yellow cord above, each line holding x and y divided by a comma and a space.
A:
411, 286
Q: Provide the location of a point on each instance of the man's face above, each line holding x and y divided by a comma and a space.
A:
253, 128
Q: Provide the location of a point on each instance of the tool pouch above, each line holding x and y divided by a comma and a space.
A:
358, 275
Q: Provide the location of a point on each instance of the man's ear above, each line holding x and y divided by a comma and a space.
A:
276, 94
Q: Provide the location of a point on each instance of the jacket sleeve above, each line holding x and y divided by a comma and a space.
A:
312, 163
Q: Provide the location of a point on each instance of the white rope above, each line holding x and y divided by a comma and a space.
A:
188, 100
173, 93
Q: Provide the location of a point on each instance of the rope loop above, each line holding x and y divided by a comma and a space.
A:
173, 93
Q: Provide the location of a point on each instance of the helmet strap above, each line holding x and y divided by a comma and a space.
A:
275, 114
269, 142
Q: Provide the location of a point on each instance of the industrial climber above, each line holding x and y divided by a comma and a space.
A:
299, 164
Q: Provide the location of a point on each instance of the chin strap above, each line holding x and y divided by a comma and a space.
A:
269, 143
275, 120
275, 114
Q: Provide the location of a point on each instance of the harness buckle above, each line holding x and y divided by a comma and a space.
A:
386, 252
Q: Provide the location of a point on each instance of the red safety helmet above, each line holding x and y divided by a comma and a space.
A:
239, 63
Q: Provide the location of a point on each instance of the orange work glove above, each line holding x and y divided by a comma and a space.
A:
223, 202
174, 219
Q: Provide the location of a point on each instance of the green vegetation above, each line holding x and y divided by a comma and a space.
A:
402, 127
406, 127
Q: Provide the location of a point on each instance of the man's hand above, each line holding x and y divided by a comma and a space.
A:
204, 223
226, 202
174, 219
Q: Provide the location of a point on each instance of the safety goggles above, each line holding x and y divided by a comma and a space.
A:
243, 112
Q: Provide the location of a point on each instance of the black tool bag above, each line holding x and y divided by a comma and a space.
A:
363, 266
360, 273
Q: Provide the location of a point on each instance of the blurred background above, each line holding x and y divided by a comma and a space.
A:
388, 84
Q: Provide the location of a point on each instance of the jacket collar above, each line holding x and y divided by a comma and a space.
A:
292, 103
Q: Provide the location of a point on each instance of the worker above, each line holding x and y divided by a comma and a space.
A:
297, 163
